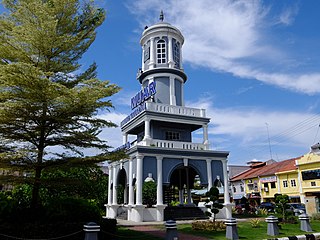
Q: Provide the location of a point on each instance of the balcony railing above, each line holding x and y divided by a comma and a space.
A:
178, 145
179, 110
171, 144
164, 108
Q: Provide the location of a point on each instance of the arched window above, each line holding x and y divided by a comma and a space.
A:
161, 52
176, 54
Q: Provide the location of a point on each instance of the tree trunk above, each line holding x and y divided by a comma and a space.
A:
35, 201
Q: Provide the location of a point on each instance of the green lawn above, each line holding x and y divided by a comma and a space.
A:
246, 231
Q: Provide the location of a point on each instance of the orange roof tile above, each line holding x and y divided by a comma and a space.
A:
267, 169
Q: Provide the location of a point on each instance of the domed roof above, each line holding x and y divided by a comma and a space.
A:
161, 27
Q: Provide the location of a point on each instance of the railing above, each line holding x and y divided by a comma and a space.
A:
177, 145
179, 110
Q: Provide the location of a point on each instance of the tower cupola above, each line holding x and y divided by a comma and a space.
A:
162, 62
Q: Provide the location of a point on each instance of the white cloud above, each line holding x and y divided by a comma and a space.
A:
306, 83
123, 98
234, 37
112, 135
246, 129
287, 16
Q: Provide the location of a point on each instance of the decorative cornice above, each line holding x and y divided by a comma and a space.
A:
146, 73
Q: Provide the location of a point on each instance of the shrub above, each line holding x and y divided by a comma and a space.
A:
22, 195
174, 203
58, 218
281, 204
255, 223
213, 203
7, 204
73, 210
315, 216
291, 219
149, 193
263, 212
208, 225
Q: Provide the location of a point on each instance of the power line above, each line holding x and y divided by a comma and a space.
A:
290, 132
267, 125
315, 137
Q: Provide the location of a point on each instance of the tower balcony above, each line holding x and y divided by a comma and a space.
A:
172, 109
165, 109
178, 145
171, 144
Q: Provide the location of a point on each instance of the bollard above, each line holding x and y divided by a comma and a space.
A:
172, 232
304, 223
91, 230
273, 228
232, 231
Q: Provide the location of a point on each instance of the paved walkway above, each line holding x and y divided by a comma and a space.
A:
153, 229
161, 233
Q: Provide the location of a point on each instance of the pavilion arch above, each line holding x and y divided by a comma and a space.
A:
122, 186
183, 178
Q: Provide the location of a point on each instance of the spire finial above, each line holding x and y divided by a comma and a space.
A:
161, 16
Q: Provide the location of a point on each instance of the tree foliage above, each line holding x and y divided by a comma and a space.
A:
77, 182
149, 193
281, 201
48, 107
213, 202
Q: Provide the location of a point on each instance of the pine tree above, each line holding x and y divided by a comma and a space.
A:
48, 110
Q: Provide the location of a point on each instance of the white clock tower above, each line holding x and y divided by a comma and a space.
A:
163, 149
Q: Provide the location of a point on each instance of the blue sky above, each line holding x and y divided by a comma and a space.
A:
253, 65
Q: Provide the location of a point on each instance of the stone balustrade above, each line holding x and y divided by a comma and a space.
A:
178, 110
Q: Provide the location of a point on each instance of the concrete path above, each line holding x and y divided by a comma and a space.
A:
153, 229
161, 233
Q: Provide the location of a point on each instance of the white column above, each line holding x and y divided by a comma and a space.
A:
131, 196
181, 67
142, 59
139, 180
147, 129
114, 188
226, 190
124, 138
159, 181
109, 185
172, 92
202, 112
225, 181
170, 53
209, 173
205, 134
152, 55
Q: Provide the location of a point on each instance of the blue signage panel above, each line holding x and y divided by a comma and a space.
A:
143, 95
125, 146
132, 115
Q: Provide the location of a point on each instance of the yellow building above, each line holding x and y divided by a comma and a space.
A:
309, 179
265, 179
299, 178
288, 183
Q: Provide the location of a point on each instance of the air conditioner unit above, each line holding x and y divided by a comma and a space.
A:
266, 189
